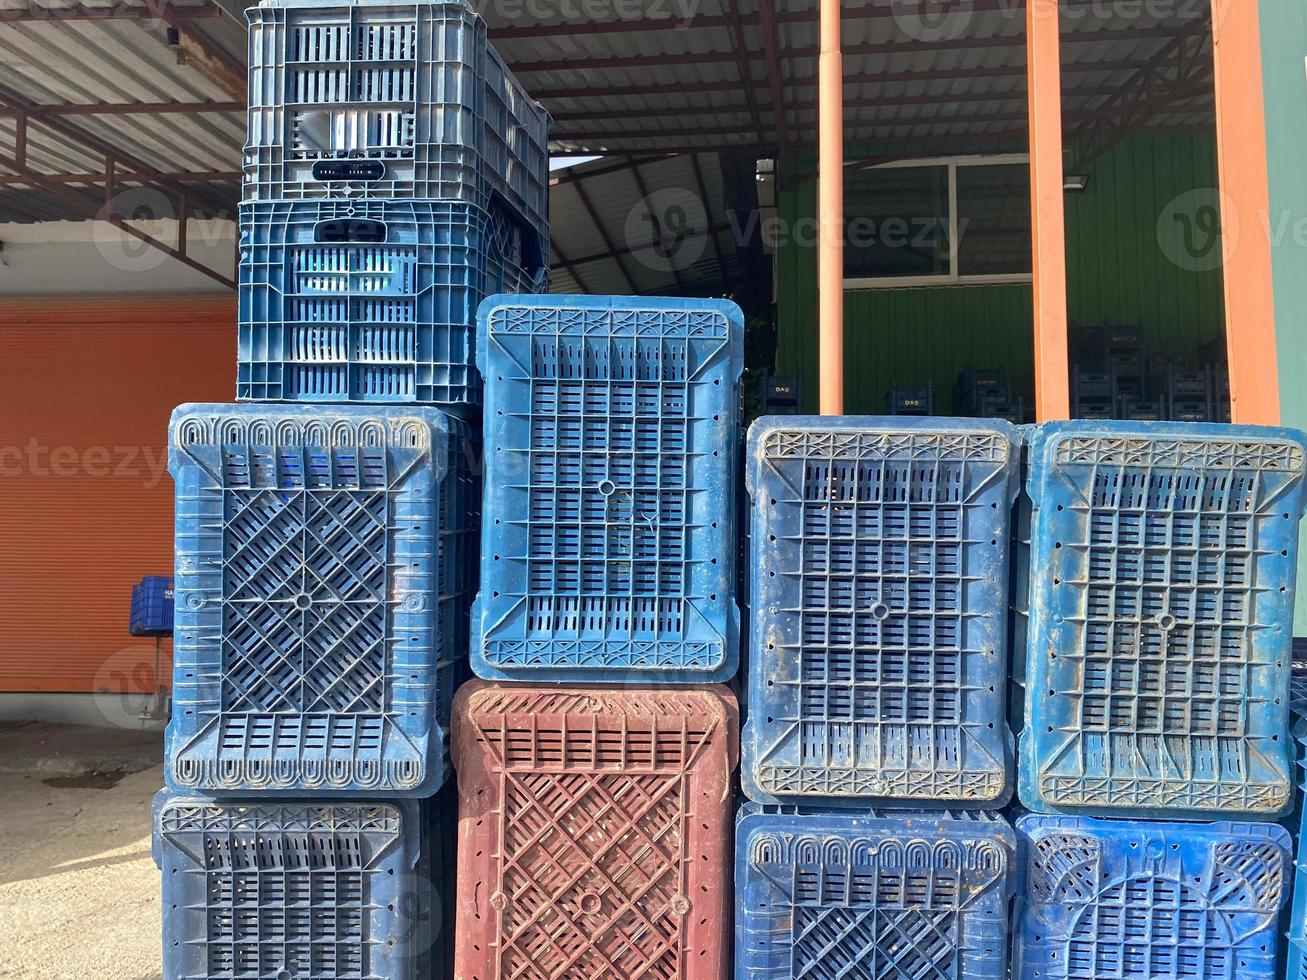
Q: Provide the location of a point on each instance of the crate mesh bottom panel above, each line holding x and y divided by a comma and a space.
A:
1154, 902
305, 658
1170, 566
880, 584
615, 429
275, 891
599, 840
830, 897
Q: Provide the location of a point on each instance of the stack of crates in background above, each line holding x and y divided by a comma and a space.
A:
396, 174
594, 761
326, 530
877, 750
1157, 677
984, 393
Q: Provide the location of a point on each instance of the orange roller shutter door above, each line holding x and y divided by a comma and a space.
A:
85, 496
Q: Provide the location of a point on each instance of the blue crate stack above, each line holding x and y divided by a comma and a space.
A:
608, 555
1156, 747
877, 699
396, 174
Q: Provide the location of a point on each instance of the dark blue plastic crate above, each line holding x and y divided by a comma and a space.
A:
1162, 572
825, 896
1131, 900
612, 431
879, 595
372, 301
151, 607
322, 560
277, 889
384, 100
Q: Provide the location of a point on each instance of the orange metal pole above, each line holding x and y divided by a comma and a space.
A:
1245, 211
830, 211
1047, 209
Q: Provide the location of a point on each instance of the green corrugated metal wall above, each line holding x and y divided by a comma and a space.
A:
1284, 46
1117, 271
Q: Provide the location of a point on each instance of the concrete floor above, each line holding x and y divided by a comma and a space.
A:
79, 893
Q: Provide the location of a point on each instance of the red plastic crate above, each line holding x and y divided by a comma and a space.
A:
594, 832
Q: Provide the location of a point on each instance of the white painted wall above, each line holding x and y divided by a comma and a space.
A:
62, 257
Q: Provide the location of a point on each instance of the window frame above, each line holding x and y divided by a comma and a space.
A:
952, 277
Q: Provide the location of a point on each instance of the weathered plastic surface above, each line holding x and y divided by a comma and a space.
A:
371, 301
320, 627
1162, 574
594, 832
879, 595
612, 425
1137, 900
398, 101
830, 896
278, 889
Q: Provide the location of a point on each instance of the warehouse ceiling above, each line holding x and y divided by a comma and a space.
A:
139, 103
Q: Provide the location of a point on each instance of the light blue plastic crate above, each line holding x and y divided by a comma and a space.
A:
879, 586
381, 100
1138, 900
321, 560
372, 301
611, 432
278, 889
836, 895
1162, 574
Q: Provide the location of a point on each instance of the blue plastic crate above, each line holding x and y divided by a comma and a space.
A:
277, 889
825, 896
322, 563
152, 601
611, 481
372, 301
879, 595
384, 100
1130, 900
1162, 572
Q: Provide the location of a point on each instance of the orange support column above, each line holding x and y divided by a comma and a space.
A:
1245, 210
830, 212
1047, 209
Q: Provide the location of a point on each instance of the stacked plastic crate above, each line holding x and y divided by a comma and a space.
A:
877, 746
326, 550
1157, 686
595, 757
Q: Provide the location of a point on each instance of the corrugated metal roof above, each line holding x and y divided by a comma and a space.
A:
661, 76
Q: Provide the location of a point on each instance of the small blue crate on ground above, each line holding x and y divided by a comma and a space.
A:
1162, 570
879, 581
835, 895
381, 100
321, 558
281, 889
1138, 900
610, 427
152, 600
372, 301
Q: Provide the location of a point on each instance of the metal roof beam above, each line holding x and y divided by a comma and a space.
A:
206, 55
25, 177
603, 233
810, 52
34, 14
104, 148
644, 195
129, 108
